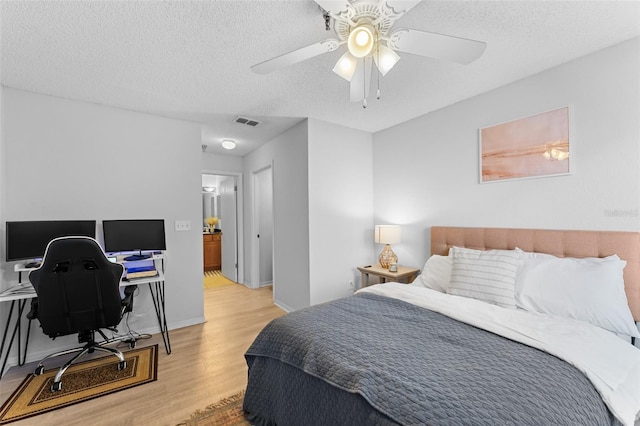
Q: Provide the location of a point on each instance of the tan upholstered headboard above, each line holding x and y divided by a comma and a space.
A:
555, 242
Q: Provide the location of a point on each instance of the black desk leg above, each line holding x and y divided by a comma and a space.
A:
22, 360
157, 294
4, 338
17, 328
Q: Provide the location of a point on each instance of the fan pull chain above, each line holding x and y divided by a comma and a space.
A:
378, 73
378, 69
364, 83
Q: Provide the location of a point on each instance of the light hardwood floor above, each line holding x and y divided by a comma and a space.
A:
206, 364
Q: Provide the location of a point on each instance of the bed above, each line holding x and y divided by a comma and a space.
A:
415, 354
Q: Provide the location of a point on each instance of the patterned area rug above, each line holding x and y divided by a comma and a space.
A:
227, 412
81, 382
214, 279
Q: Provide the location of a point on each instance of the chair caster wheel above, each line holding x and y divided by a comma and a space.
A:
122, 365
39, 370
56, 386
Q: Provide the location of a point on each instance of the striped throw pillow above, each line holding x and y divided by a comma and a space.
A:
487, 275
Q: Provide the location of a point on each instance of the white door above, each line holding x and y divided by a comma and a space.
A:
229, 226
263, 184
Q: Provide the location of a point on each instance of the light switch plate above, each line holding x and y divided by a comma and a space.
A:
183, 225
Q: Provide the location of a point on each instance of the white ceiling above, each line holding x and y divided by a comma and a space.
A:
190, 59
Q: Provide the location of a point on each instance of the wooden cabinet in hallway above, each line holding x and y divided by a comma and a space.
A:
212, 251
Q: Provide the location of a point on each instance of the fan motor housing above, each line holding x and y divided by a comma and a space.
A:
364, 12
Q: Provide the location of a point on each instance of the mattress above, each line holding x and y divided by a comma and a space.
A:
377, 359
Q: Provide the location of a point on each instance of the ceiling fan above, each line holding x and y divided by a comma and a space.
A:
366, 27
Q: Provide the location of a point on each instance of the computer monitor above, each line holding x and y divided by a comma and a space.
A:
134, 235
29, 239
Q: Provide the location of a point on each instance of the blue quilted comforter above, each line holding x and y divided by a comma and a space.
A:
414, 367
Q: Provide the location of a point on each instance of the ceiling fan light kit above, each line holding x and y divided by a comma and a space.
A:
385, 58
346, 66
365, 26
360, 41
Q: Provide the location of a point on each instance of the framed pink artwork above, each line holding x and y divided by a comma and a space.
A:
529, 147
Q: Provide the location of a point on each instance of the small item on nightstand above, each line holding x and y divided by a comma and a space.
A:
393, 267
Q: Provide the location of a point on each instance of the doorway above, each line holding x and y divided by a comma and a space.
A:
263, 226
222, 198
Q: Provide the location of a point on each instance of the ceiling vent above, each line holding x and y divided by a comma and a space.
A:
246, 121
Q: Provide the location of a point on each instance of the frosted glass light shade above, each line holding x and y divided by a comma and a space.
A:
360, 41
385, 58
388, 234
346, 66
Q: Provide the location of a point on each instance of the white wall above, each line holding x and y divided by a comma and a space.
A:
426, 170
221, 163
73, 160
288, 154
323, 210
340, 208
263, 190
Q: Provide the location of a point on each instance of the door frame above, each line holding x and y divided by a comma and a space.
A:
255, 250
239, 217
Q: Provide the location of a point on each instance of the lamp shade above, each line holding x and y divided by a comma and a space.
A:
385, 59
388, 234
346, 66
360, 41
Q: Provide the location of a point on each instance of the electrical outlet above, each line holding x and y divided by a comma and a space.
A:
183, 225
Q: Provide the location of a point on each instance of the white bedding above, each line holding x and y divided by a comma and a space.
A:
612, 365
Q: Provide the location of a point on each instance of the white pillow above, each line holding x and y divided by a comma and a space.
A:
487, 275
435, 274
590, 290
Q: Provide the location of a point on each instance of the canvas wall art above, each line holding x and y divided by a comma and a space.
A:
534, 146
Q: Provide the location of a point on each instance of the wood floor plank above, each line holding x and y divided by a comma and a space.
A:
206, 364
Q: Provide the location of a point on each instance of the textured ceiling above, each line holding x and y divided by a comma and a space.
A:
190, 59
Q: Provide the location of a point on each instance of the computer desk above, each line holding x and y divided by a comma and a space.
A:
156, 288
20, 293
18, 297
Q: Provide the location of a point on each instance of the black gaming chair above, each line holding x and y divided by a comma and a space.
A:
78, 292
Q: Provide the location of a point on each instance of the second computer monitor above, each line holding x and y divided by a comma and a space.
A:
134, 235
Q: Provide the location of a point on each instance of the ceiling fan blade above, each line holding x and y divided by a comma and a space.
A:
338, 8
450, 48
361, 80
396, 8
296, 56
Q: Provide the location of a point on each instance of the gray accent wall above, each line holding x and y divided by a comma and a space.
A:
426, 169
287, 153
65, 159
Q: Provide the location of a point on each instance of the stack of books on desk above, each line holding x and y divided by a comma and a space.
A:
141, 272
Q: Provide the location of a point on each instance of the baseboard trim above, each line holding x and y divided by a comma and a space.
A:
283, 306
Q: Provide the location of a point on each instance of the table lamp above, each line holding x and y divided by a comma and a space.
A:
387, 234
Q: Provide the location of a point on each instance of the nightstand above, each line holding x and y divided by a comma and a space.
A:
404, 274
